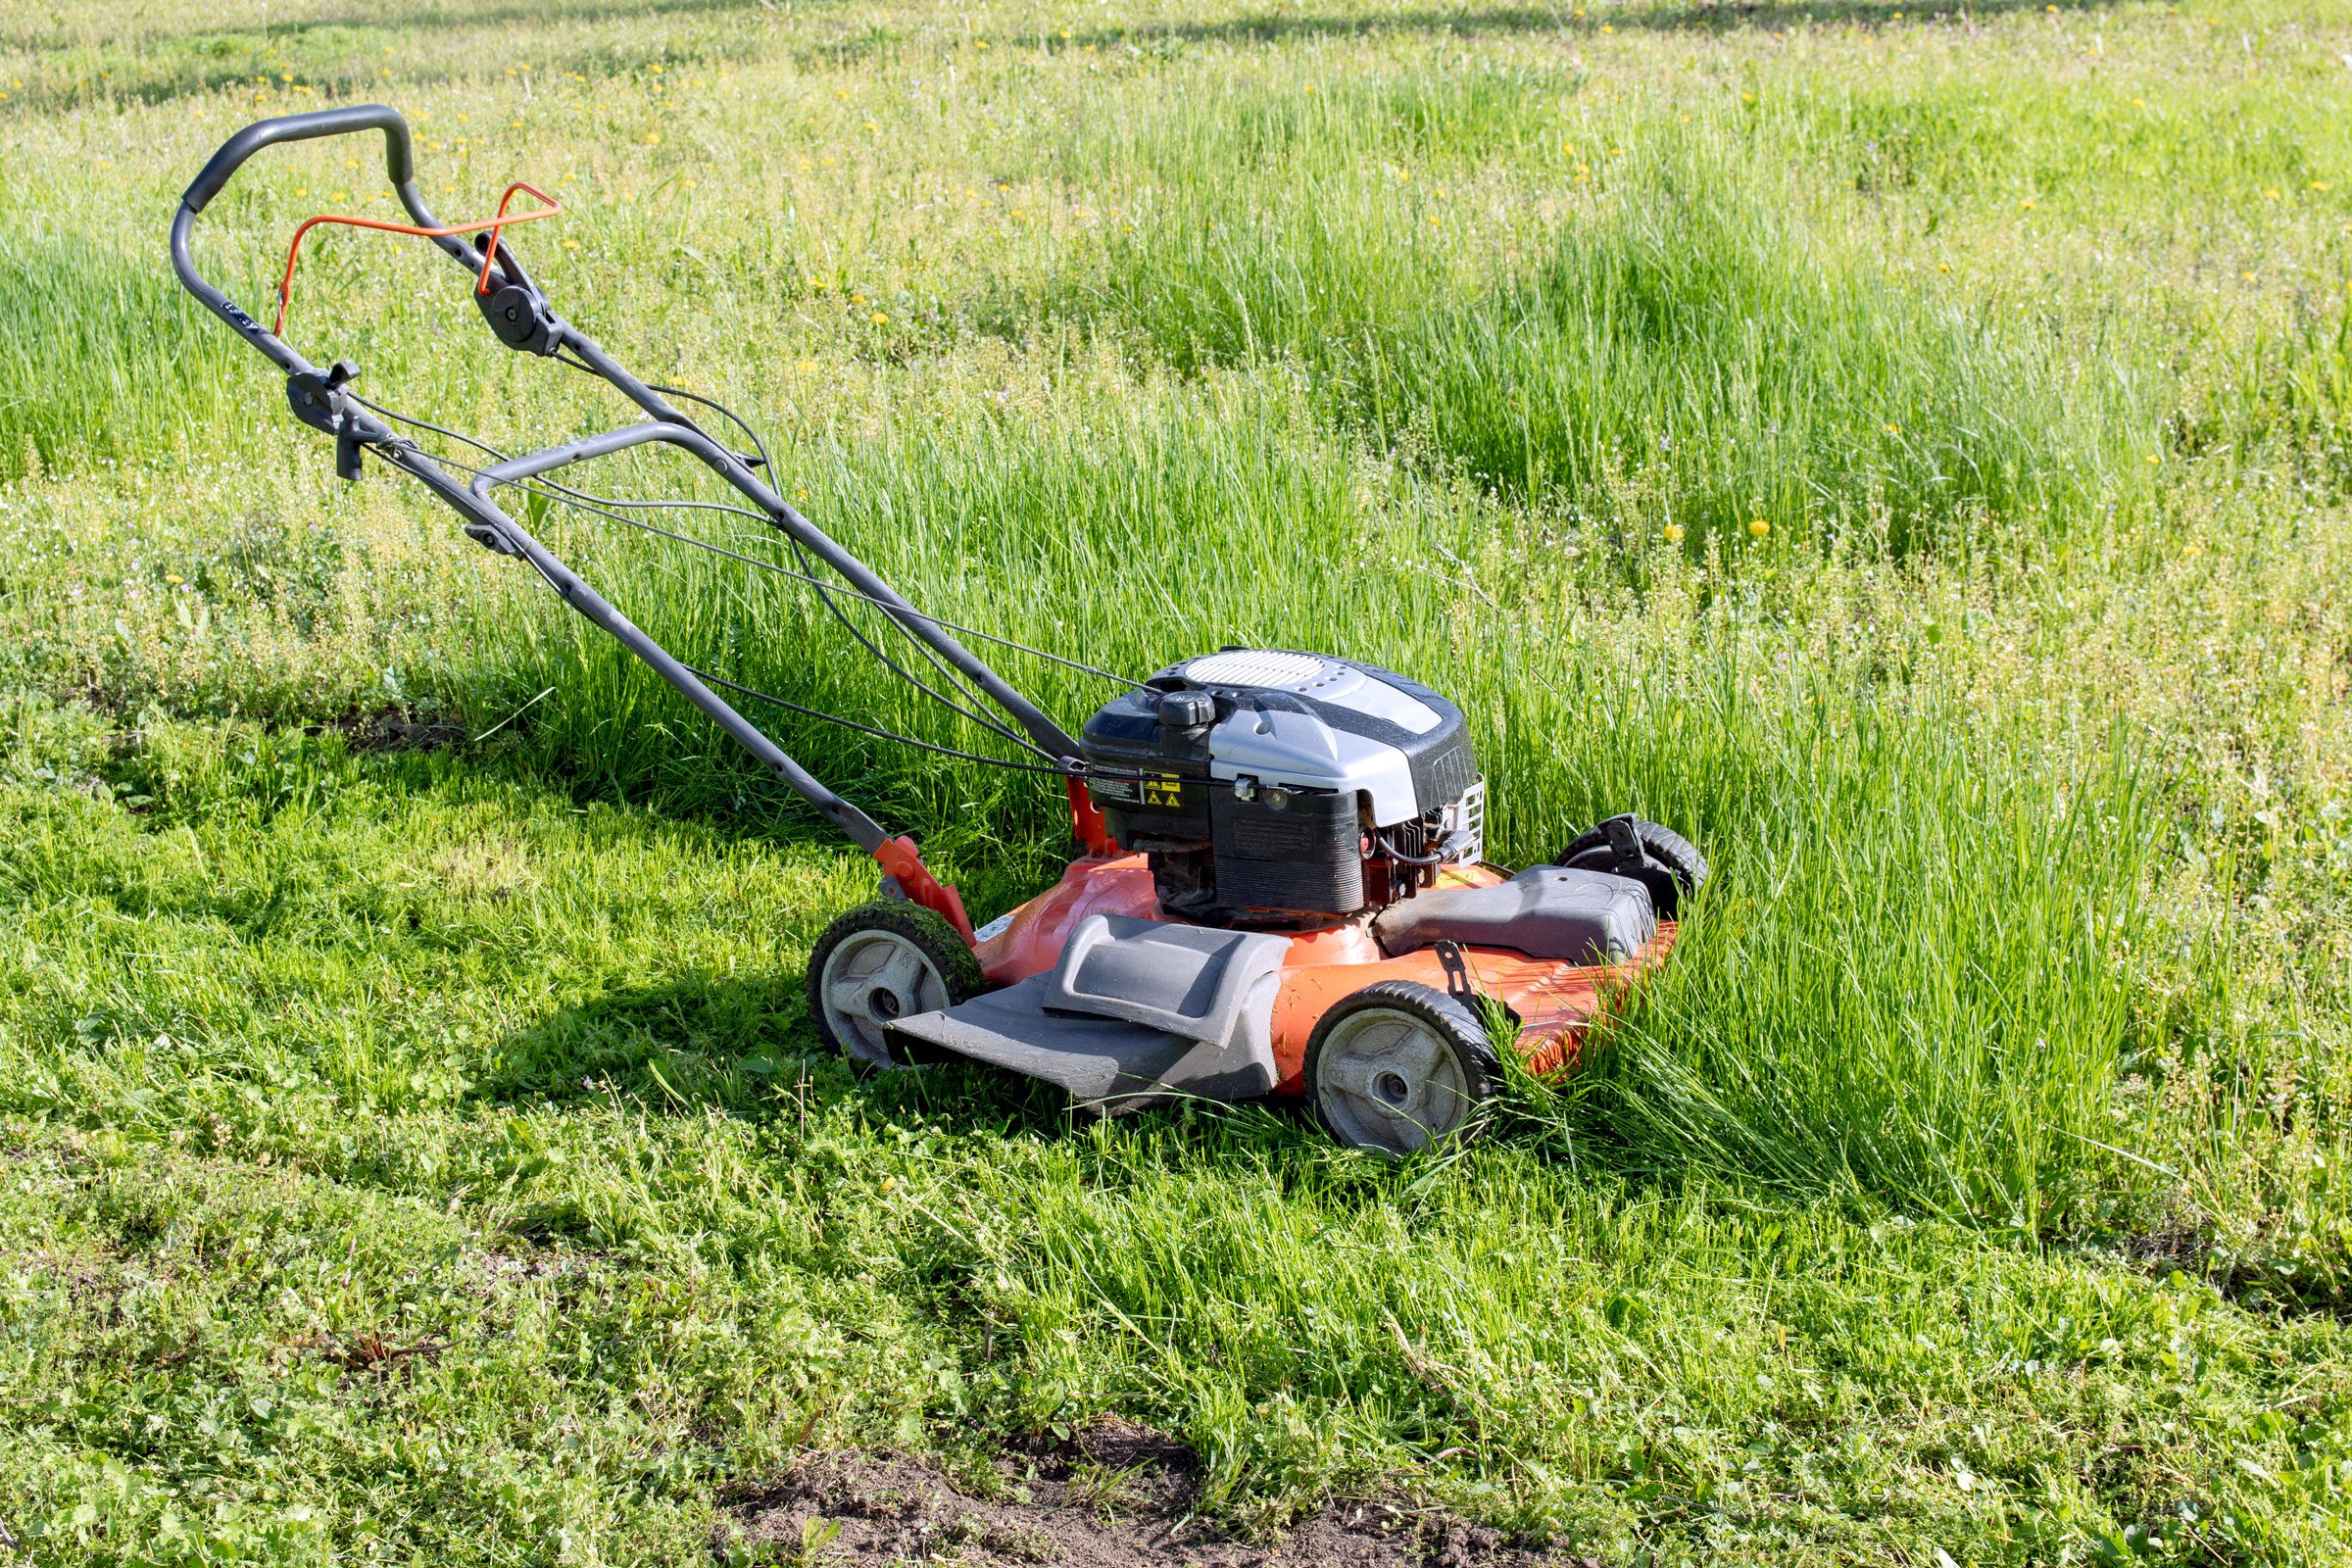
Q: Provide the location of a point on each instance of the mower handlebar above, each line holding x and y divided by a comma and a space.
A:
400, 159
400, 162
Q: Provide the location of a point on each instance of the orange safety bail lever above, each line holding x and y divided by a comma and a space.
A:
496, 225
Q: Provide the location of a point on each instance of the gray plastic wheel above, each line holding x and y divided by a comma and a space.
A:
1399, 1066
883, 962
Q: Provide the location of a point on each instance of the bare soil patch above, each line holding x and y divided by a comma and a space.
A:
395, 730
1117, 1497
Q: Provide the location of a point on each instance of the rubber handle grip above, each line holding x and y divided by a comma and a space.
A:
399, 157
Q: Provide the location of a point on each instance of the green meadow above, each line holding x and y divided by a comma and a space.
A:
1906, 448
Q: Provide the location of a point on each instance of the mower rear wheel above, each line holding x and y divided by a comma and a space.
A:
1668, 864
1398, 1066
882, 961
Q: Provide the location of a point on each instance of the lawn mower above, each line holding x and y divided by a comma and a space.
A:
1281, 887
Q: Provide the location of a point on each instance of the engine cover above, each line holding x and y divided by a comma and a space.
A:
1270, 785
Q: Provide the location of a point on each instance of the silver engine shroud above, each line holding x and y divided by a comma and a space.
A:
1268, 780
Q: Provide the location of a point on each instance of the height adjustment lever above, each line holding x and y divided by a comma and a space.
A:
319, 401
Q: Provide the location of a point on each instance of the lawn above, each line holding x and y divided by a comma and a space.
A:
1907, 449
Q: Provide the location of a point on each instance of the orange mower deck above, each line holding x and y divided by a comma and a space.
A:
1554, 1002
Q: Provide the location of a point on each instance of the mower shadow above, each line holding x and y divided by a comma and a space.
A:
702, 1041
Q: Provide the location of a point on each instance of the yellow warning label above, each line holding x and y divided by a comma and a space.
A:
1164, 790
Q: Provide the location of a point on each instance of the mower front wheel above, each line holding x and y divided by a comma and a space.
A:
1398, 1066
880, 962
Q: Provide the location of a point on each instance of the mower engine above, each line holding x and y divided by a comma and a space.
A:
1271, 788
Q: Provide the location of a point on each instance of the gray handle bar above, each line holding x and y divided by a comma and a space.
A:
400, 159
400, 164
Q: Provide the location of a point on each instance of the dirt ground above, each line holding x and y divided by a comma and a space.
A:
1118, 1495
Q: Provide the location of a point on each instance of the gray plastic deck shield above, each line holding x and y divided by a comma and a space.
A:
1546, 912
1136, 1014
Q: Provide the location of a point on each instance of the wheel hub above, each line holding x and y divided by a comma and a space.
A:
870, 980
1388, 1081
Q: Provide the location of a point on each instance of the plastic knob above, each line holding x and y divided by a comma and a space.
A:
1187, 709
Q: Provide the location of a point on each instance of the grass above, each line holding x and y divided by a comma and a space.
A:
425, 1152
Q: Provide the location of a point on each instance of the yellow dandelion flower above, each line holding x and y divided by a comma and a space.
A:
653, 138
878, 318
571, 244
1757, 528
1893, 428
1673, 533
2317, 184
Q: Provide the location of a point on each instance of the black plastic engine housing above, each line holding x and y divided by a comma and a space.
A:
1303, 798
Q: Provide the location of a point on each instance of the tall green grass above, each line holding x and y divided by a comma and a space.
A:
1677, 316
107, 356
